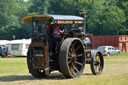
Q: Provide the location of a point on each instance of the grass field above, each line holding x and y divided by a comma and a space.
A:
13, 71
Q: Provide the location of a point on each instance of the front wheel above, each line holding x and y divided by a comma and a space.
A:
72, 58
97, 64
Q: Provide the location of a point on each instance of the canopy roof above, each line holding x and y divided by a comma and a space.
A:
66, 17
43, 19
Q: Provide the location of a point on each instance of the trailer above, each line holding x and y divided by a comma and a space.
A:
18, 47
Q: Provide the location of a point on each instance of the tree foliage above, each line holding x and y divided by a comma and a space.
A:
40, 6
123, 4
72, 7
104, 17
10, 12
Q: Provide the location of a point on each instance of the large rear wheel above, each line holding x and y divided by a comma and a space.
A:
72, 58
38, 73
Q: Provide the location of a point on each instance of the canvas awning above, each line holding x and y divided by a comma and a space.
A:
66, 17
60, 19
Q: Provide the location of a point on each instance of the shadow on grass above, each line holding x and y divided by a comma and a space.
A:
15, 78
11, 78
88, 74
52, 76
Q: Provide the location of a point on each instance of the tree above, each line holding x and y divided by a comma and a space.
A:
114, 18
6, 15
95, 17
10, 12
105, 18
123, 4
39, 6
69, 7
4, 12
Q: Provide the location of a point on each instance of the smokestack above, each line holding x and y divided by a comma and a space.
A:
83, 14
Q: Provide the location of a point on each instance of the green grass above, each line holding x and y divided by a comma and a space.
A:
13, 65
13, 71
123, 54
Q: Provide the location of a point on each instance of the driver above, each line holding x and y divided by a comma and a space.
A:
57, 30
57, 38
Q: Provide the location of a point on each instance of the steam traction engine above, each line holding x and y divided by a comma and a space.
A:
68, 53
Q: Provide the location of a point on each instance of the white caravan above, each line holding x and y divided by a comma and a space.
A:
19, 47
3, 43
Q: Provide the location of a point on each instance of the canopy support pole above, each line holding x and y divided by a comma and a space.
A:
33, 27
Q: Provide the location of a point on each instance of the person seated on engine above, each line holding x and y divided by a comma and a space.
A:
57, 35
57, 30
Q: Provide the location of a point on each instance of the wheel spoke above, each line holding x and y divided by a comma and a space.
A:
72, 70
78, 63
69, 62
97, 67
69, 57
75, 68
70, 53
79, 55
74, 51
95, 62
99, 62
74, 44
77, 48
96, 57
71, 49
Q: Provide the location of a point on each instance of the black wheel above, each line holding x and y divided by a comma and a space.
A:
72, 58
118, 53
108, 54
97, 64
38, 73
4, 55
